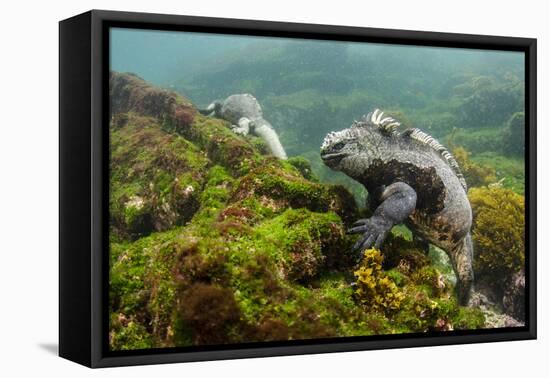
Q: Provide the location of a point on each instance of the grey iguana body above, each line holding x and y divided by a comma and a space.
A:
411, 179
246, 116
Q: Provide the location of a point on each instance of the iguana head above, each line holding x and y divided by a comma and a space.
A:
352, 149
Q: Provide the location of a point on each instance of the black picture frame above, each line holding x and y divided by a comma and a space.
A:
83, 181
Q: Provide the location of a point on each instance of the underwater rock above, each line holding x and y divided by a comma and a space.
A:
129, 93
155, 177
494, 318
210, 312
406, 255
304, 166
513, 299
310, 243
279, 188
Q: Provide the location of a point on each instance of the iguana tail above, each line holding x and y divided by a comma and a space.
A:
266, 132
461, 259
212, 109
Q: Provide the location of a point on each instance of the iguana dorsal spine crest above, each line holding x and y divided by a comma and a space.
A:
389, 126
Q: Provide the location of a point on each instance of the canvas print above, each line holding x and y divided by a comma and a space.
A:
270, 189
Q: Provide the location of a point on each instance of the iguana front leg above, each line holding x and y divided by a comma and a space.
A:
243, 127
398, 201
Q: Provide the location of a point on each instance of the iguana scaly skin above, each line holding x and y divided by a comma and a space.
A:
246, 116
411, 178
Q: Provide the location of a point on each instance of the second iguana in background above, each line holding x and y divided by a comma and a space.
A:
246, 116
411, 178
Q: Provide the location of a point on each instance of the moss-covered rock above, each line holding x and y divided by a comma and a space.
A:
156, 178
211, 314
279, 188
196, 190
129, 93
213, 241
404, 255
127, 334
309, 241
304, 166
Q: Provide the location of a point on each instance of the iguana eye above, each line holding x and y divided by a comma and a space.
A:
338, 146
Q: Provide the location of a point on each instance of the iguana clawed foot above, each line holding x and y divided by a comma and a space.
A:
238, 130
374, 230
243, 127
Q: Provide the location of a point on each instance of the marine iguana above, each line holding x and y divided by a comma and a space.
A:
246, 116
411, 178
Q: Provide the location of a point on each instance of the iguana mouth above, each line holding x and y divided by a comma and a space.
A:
334, 157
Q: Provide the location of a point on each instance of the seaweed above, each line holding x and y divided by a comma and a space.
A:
210, 312
375, 289
498, 234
